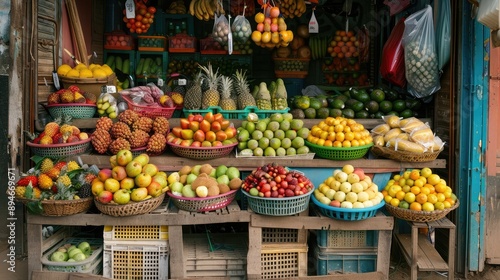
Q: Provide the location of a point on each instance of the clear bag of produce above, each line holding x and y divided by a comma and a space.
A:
241, 29
221, 29
392, 66
421, 60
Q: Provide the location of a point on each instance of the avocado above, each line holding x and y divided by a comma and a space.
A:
322, 113
310, 113
348, 113
385, 106
399, 105
337, 104
362, 114
315, 103
378, 115
357, 106
298, 113
377, 95
335, 113
372, 106
407, 113
391, 95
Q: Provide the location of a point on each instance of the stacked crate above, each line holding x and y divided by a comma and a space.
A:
136, 252
344, 251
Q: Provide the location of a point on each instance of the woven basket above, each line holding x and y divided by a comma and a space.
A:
75, 110
419, 216
202, 152
282, 206
61, 208
151, 111
335, 153
403, 155
92, 85
347, 214
206, 204
60, 150
131, 208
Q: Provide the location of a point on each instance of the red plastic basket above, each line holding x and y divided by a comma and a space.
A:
203, 204
149, 110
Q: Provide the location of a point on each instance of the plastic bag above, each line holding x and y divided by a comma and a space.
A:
421, 61
312, 90
396, 6
392, 66
221, 29
107, 105
241, 29
443, 33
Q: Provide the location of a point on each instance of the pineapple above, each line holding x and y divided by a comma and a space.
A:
193, 96
263, 99
211, 96
245, 98
226, 102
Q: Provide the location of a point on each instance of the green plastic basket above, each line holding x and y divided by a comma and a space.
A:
283, 206
339, 153
76, 111
213, 109
262, 114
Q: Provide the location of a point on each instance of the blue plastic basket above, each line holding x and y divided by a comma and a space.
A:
283, 206
347, 214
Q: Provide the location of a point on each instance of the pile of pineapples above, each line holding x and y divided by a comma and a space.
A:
209, 88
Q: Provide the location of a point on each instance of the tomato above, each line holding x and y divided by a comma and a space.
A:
142, 11
145, 20
147, 15
132, 20
138, 30
138, 17
138, 24
152, 10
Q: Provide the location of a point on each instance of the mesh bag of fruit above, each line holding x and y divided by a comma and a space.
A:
421, 59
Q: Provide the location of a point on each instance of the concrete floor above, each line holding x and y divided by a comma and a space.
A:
399, 270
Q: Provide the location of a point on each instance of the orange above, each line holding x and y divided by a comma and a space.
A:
446, 204
426, 172
346, 144
440, 187
355, 143
339, 128
415, 174
406, 174
320, 142
439, 205
410, 182
440, 197
259, 17
432, 198
394, 202
384, 193
328, 143
337, 144
415, 190
397, 177
428, 207
406, 188
421, 198
340, 136
388, 199
450, 200
331, 136
400, 195
393, 190
425, 190
409, 197
415, 206
433, 179
349, 135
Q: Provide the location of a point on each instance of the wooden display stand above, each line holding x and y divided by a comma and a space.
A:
425, 257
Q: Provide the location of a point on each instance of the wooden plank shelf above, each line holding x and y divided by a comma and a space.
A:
428, 258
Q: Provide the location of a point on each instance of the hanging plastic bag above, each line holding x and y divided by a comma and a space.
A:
221, 29
443, 33
392, 67
241, 29
397, 6
421, 61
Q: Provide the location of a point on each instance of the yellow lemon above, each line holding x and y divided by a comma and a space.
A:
107, 69
98, 73
86, 73
63, 70
73, 73
92, 66
80, 66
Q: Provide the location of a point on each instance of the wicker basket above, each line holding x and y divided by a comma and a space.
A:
131, 208
335, 153
206, 204
404, 156
347, 214
151, 111
91, 85
282, 206
61, 208
75, 110
202, 152
419, 216
60, 150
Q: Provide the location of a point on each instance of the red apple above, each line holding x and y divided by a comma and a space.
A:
177, 141
210, 136
196, 144
215, 126
154, 189
123, 157
360, 172
220, 135
118, 172
112, 161
198, 118
170, 137
206, 144
209, 117
230, 132
177, 131
186, 142
190, 117
199, 135
224, 124
104, 174
184, 123
217, 143
105, 197
194, 125
205, 126
187, 134
218, 117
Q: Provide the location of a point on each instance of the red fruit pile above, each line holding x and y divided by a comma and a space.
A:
276, 181
143, 19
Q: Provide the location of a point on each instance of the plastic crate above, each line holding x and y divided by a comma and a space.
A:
291, 64
210, 46
118, 41
280, 235
212, 109
157, 65
329, 262
293, 86
151, 43
279, 262
78, 266
173, 24
124, 55
262, 114
228, 64
216, 255
183, 63
235, 114
346, 238
140, 233
182, 43
136, 260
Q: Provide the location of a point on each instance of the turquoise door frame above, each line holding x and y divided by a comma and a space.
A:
472, 135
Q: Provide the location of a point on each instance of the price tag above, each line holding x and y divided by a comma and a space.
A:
313, 24
160, 82
230, 42
108, 89
130, 9
182, 82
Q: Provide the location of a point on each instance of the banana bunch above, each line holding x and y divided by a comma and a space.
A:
205, 9
292, 8
176, 7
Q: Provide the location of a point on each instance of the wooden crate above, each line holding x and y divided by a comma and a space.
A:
283, 261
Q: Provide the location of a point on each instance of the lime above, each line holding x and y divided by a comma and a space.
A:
377, 95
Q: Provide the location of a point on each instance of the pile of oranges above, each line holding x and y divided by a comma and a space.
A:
344, 44
339, 132
419, 190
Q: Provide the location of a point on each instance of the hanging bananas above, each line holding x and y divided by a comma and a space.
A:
292, 8
205, 9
